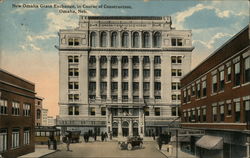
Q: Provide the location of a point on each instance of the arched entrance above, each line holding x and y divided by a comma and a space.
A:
125, 128
115, 129
135, 129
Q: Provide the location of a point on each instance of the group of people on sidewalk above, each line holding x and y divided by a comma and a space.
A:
52, 141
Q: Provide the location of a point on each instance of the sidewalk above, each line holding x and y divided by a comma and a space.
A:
40, 150
170, 152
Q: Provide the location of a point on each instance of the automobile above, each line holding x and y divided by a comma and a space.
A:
130, 142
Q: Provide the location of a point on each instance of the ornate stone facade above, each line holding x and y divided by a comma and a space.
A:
121, 74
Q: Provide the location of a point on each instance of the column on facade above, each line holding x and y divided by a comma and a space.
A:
130, 127
152, 79
98, 39
98, 96
140, 122
140, 39
130, 39
108, 78
119, 38
120, 128
119, 78
108, 39
141, 78
150, 39
130, 81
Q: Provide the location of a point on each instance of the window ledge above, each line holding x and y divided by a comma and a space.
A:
221, 91
245, 84
214, 94
236, 87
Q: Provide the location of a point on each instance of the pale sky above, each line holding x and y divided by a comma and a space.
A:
28, 35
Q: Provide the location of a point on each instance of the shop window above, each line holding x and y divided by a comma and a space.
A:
3, 140
15, 138
26, 136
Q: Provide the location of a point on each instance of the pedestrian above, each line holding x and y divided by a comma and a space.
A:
153, 136
95, 136
159, 142
87, 137
105, 136
102, 136
54, 144
49, 143
68, 141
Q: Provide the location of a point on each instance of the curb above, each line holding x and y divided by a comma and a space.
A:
48, 153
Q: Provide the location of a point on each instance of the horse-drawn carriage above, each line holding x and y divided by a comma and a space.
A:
130, 142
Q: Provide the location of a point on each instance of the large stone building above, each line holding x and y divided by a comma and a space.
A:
17, 115
121, 74
216, 99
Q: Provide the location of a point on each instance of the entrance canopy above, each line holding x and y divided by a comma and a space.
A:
210, 142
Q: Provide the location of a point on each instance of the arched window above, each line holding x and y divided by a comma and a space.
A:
103, 39
114, 41
93, 39
38, 114
146, 43
157, 40
135, 40
125, 39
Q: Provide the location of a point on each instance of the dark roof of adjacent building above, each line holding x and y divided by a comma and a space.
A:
236, 44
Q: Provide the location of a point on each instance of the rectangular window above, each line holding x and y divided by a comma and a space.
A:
237, 74
184, 96
73, 72
26, 137
103, 111
214, 84
15, 138
15, 108
176, 42
92, 72
114, 72
135, 86
146, 73
157, 72
135, 59
146, 86
3, 106
157, 60
174, 97
114, 86
92, 111
124, 73
198, 90
103, 72
70, 110
229, 109
146, 60
247, 70
214, 114
204, 88
92, 86
179, 59
237, 111
76, 59
73, 85
193, 90
124, 60
173, 111
198, 114
188, 95
103, 87
222, 116
204, 114
76, 110
157, 111
157, 86
124, 86
229, 73
26, 109
135, 73
174, 59
70, 59
179, 73
76, 97
247, 111
222, 80
3, 140
92, 60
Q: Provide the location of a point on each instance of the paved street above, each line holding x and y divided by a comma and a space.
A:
106, 149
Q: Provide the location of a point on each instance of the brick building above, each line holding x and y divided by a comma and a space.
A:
38, 110
216, 99
17, 108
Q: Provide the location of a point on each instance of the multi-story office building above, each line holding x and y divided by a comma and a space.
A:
216, 98
44, 117
38, 111
17, 115
121, 74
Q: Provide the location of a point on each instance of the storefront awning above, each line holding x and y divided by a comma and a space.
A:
210, 142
